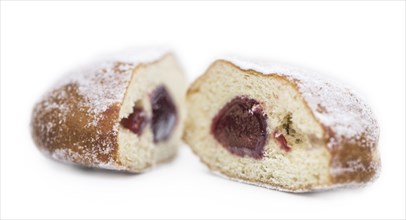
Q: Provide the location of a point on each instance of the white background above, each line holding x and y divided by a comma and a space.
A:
360, 43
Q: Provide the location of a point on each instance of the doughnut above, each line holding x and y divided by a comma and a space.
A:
124, 112
280, 127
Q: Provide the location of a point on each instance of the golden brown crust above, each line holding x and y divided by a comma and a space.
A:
354, 163
70, 134
354, 160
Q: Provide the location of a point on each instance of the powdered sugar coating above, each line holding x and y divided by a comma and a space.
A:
334, 105
104, 82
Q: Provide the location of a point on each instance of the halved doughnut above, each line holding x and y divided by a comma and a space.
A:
280, 127
123, 113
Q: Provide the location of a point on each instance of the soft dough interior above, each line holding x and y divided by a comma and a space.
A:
139, 152
305, 165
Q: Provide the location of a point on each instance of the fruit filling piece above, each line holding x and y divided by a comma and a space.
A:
164, 114
283, 143
241, 127
136, 121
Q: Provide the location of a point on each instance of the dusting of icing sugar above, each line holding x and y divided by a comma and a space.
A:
351, 166
333, 104
104, 83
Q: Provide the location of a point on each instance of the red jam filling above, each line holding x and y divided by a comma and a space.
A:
164, 114
136, 121
240, 127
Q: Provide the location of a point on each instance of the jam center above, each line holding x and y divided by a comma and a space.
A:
164, 114
240, 127
136, 121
